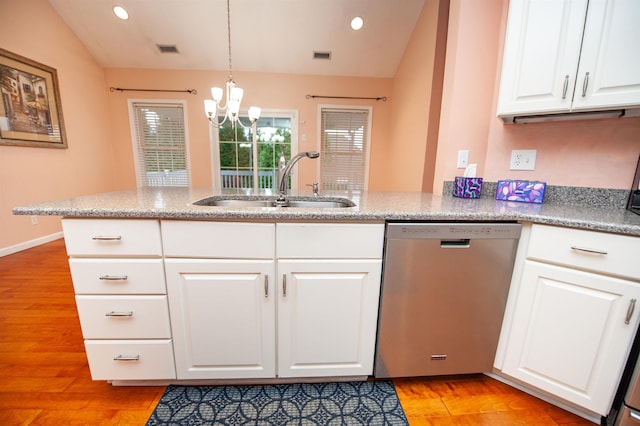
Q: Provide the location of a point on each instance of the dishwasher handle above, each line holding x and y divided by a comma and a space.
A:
455, 243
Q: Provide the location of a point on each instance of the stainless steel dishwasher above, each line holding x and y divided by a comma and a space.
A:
444, 292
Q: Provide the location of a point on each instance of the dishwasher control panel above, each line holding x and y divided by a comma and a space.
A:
414, 230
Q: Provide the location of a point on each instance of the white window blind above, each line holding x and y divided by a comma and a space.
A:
161, 155
344, 150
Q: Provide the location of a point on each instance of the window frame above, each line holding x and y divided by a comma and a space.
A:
214, 138
132, 104
366, 141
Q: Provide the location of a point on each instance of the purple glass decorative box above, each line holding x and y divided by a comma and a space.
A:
521, 190
467, 187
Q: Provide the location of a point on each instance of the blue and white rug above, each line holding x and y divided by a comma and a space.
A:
342, 403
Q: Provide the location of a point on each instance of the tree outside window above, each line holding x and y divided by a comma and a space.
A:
274, 134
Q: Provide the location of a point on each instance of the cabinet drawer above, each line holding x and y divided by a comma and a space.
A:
333, 240
112, 237
130, 360
124, 317
218, 239
589, 250
117, 276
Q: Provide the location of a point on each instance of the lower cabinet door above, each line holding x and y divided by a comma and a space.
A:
571, 333
222, 317
327, 315
130, 359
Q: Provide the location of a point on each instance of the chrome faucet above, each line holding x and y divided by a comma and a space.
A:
286, 172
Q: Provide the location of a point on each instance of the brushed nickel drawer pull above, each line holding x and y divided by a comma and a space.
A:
284, 285
589, 250
266, 286
585, 84
119, 314
107, 238
566, 85
630, 309
114, 277
127, 358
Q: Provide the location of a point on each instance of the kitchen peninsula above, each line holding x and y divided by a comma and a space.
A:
177, 203
157, 279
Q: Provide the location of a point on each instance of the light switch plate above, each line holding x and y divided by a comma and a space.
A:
463, 158
523, 159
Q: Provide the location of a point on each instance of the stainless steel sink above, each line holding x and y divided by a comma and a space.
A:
294, 202
234, 203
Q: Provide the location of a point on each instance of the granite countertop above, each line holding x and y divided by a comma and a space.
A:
177, 203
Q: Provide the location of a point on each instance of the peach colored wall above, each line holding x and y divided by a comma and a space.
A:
598, 153
269, 91
470, 71
31, 175
409, 117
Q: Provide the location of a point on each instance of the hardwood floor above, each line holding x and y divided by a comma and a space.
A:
45, 378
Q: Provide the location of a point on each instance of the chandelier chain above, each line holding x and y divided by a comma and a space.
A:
229, 38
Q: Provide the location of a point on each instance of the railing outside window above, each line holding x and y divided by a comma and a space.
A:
244, 179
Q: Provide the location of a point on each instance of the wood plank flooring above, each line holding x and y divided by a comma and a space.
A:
45, 379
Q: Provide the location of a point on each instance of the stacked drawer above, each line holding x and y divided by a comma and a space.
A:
118, 277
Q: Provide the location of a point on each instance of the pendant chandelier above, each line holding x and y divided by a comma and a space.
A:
231, 108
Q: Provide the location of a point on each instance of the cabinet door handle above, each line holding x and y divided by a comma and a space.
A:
266, 286
107, 238
630, 309
284, 285
565, 87
114, 277
126, 358
119, 314
589, 250
585, 84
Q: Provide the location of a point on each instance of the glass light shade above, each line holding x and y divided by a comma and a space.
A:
216, 94
236, 95
254, 113
210, 107
233, 107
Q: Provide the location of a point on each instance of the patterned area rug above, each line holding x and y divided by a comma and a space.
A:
343, 403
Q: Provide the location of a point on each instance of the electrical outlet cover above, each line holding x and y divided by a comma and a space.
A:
523, 159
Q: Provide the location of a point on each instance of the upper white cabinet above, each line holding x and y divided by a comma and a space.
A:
570, 55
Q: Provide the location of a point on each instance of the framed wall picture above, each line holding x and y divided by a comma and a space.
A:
30, 111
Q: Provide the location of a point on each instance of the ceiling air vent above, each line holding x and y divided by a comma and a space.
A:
167, 48
322, 55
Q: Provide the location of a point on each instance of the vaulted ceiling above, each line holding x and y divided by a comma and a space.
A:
278, 36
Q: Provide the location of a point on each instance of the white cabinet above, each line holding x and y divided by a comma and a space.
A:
327, 317
570, 55
328, 298
223, 309
223, 317
118, 277
575, 315
220, 279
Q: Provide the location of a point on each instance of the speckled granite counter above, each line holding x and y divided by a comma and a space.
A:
177, 203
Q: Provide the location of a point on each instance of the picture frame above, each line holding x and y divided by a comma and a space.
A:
30, 109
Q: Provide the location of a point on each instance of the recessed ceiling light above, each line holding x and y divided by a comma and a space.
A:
121, 12
357, 23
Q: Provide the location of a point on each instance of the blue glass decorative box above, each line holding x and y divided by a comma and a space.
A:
467, 187
521, 191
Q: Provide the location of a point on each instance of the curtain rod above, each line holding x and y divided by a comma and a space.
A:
120, 89
383, 98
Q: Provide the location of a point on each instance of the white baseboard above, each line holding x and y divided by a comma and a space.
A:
28, 244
